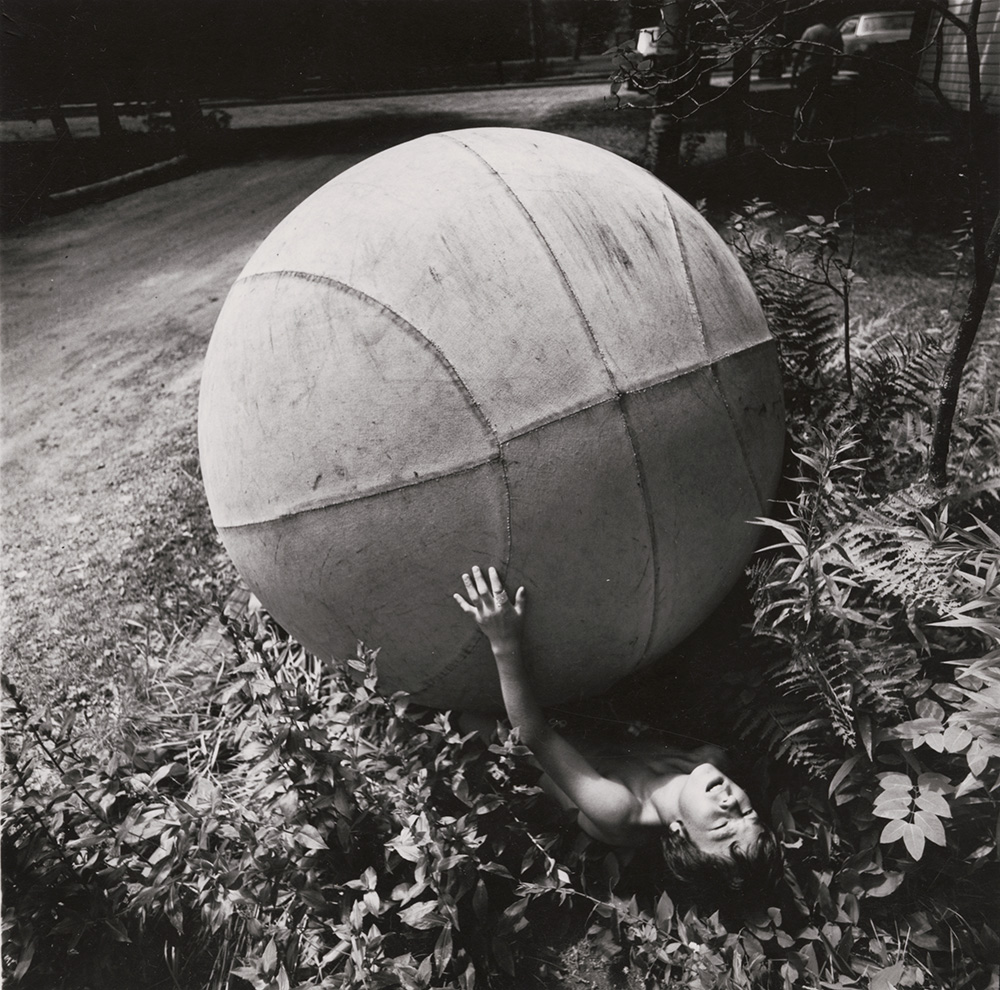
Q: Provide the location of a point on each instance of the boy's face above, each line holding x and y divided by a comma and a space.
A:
715, 813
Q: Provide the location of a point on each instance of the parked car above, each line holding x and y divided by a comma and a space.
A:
848, 28
863, 32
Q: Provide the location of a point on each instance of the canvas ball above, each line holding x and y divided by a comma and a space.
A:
491, 346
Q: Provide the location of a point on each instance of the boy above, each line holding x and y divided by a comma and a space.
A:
714, 844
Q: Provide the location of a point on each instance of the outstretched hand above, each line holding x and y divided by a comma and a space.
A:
495, 614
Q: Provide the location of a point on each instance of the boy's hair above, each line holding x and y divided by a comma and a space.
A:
741, 880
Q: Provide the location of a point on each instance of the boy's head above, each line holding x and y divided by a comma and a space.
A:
716, 848
734, 877
713, 812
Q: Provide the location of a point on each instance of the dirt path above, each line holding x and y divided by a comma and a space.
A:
106, 314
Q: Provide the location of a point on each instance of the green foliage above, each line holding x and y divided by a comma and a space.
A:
800, 308
297, 828
301, 830
279, 823
880, 605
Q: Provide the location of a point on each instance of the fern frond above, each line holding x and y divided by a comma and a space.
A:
902, 550
802, 313
788, 729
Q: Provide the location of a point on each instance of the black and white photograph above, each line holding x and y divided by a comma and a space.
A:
500, 494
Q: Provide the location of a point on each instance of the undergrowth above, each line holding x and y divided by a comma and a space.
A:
284, 824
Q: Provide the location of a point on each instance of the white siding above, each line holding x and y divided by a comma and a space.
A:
944, 58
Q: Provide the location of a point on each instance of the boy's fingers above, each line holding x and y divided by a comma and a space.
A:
470, 588
480, 582
463, 604
519, 600
495, 584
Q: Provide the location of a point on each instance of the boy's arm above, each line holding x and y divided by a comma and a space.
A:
608, 804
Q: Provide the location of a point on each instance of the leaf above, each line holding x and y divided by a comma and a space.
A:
968, 785
934, 782
930, 827
887, 780
167, 770
308, 836
929, 708
887, 978
956, 738
404, 846
892, 831
890, 882
423, 915
946, 692
913, 839
917, 727
25, 961
934, 803
864, 723
664, 911
935, 741
480, 901
842, 773
503, 955
977, 758
443, 949
269, 958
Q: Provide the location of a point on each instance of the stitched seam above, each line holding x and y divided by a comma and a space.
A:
387, 489
414, 332
589, 330
599, 352
498, 456
713, 366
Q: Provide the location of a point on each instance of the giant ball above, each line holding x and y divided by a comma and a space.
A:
502, 346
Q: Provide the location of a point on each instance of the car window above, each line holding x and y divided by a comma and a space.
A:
849, 26
885, 22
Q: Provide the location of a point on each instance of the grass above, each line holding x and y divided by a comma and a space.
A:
117, 626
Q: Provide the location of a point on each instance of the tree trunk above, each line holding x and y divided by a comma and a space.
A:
107, 117
185, 115
536, 32
986, 253
738, 102
967, 330
663, 145
663, 140
59, 123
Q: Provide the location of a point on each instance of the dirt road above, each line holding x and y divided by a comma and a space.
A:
106, 314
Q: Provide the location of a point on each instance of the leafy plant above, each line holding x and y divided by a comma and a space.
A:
879, 601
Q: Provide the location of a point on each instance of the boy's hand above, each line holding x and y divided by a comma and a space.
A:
493, 611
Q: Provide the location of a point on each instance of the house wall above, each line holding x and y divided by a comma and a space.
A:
943, 61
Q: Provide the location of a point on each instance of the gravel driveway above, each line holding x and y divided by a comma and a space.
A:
107, 312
